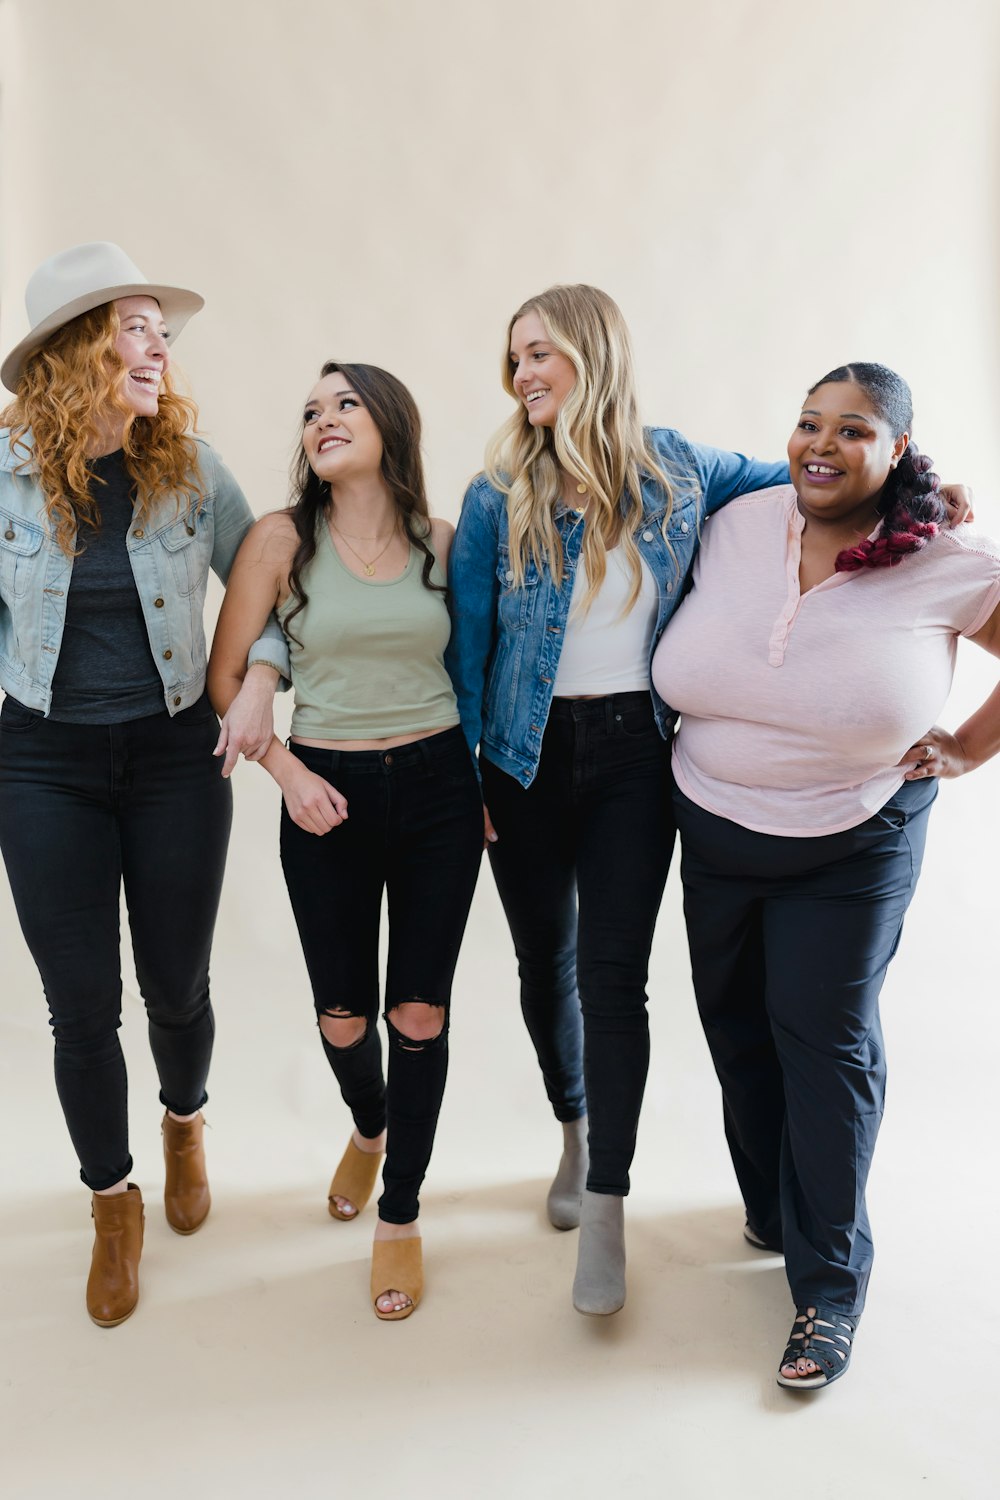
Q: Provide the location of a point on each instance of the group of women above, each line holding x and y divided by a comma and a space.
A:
520, 678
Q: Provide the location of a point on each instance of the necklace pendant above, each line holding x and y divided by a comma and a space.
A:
369, 570
581, 489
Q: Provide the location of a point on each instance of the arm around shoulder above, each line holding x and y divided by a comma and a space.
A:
720, 474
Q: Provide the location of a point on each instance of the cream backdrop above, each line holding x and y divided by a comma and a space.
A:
767, 190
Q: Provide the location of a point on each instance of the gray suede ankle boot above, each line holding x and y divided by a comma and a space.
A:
599, 1287
563, 1202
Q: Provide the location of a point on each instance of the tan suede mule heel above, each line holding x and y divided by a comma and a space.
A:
398, 1265
354, 1179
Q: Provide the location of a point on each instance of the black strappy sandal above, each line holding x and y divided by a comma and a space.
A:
827, 1340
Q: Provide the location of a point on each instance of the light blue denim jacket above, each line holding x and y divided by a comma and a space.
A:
506, 641
171, 552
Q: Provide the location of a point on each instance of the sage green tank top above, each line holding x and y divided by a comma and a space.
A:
371, 662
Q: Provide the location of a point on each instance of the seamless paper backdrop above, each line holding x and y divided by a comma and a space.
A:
768, 190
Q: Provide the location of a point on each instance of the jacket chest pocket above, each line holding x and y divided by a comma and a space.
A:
669, 555
516, 603
187, 548
682, 528
19, 548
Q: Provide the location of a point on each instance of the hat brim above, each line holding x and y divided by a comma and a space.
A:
176, 304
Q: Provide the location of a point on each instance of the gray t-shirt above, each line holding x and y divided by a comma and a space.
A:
105, 672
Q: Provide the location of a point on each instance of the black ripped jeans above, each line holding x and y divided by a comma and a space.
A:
414, 830
86, 809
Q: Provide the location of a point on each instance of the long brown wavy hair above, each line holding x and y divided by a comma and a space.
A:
395, 414
69, 389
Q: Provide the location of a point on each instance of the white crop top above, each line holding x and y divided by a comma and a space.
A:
604, 650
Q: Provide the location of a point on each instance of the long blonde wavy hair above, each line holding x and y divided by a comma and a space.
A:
70, 387
597, 439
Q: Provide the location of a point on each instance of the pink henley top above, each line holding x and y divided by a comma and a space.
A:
796, 707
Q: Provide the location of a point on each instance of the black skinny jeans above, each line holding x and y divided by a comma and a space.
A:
414, 830
85, 808
580, 863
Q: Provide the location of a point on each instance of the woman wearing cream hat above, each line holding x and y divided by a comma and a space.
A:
111, 514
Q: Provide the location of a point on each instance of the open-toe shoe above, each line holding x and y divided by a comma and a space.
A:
354, 1179
826, 1338
398, 1266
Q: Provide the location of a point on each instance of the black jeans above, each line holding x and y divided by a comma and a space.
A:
414, 830
580, 863
84, 809
790, 941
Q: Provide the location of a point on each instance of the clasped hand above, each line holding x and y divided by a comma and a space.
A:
312, 803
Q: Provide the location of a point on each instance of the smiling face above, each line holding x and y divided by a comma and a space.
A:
339, 435
541, 375
841, 452
141, 343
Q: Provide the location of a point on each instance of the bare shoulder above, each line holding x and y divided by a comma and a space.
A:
442, 534
272, 540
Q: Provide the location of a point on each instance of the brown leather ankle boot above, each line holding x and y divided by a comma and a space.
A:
185, 1192
113, 1284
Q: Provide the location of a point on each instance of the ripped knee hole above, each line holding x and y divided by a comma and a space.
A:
342, 1029
415, 1024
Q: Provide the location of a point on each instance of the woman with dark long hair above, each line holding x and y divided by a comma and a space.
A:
817, 644
111, 514
379, 794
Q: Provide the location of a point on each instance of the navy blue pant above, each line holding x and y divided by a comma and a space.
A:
86, 809
595, 829
414, 832
790, 941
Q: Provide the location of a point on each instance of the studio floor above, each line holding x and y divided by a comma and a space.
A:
254, 1365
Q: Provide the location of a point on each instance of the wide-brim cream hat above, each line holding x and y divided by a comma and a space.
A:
87, 276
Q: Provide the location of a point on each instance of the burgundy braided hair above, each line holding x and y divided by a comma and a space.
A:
910, 502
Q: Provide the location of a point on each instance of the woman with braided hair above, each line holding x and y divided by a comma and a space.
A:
803, 789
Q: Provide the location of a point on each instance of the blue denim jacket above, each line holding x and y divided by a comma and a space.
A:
171, 552
505, 642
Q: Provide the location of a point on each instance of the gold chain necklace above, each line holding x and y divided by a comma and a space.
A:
354, 538
369, 567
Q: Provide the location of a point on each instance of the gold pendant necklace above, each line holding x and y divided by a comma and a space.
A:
368, 566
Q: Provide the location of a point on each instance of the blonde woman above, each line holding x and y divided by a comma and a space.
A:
570, 556
111, 514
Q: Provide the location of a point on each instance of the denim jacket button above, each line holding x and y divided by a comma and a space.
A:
177, 703
685, 526
9, 534
167, 655
138, 535
158, 603
647, 536
509, 575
